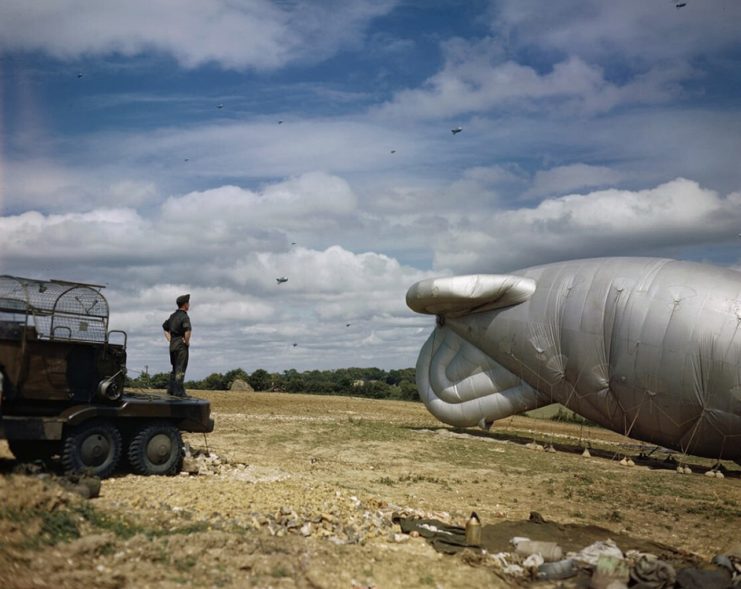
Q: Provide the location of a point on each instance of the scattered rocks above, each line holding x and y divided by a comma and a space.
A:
206, 463
345, 520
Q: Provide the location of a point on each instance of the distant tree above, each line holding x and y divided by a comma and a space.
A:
376, 389
215, 382
140, 382
398, 376
408, 391
233, 375
362, 382
159, 380
147, 381
259, 380
295, 385
319, 381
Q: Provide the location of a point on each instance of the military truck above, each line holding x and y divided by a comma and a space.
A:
62, 393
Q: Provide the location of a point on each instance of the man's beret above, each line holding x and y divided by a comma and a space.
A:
182, 299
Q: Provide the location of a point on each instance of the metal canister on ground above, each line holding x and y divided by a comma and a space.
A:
473, 530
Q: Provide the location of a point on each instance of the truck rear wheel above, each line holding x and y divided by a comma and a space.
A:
156, 449
93, 447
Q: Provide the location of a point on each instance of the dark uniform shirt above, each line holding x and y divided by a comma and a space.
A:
177, 324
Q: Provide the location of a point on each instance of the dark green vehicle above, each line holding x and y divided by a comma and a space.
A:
62, 396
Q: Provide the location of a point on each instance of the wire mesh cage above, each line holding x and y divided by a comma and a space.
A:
55, 309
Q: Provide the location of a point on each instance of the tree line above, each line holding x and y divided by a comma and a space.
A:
361, 382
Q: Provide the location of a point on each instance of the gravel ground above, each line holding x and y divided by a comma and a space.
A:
302, 491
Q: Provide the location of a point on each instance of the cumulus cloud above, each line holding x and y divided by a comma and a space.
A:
475, 79
226, 246
594, 57
202, 224
605, 222
314, 197
236, 35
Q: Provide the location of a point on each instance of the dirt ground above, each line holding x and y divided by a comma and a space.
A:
300, 491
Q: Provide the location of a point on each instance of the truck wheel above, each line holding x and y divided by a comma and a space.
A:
30, 450
93, 447
157, 449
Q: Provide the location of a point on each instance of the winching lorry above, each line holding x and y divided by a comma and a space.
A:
63, 397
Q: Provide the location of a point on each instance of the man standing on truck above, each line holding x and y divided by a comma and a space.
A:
177, 332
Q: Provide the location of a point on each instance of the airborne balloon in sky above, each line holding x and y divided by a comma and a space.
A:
647, 347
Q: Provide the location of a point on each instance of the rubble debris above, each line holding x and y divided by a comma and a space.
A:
730, 560
611, 572
651, 572
600, 565
87, 486
550, 551
590, 555
197, 462
556, 571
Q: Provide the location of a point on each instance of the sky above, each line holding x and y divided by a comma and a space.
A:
163, 147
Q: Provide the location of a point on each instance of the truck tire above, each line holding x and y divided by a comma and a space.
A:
30, 450
156, 449
93, 447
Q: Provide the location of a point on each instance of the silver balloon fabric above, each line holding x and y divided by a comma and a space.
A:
647, 347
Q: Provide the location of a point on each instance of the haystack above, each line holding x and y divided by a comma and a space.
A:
241, 385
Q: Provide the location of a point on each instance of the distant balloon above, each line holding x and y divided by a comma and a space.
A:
646, 347
456, 130
281, 279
